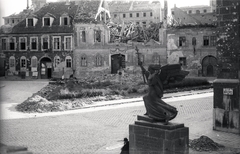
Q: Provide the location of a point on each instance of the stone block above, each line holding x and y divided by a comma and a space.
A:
156, 138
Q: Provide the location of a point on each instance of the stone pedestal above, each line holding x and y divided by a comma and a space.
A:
149, 137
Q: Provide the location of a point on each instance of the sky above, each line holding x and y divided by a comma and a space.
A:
8, 7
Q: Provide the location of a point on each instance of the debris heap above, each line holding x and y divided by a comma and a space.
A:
204, 143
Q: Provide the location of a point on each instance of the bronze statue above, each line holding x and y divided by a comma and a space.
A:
157, 76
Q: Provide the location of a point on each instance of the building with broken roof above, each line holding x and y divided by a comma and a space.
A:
192, 42
96, 54
64, 39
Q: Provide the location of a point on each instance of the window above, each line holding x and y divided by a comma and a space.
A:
65, 21
97, 36
130, 15
46, 21
194, 41
12, 63
182, 61
33, 43
98, 60
190, 11
4, 44
197, 12
56, 61
12, 42
124, 15
151, 14
30, 22
144, 14
83, 60
213, 40
23, 43
34, 62
205, 40
68, 62
13, 21
56, 42
115, 15
137, 15
45, 44
205, 11
67, 42
182, 41
172, 12
83, 36
156, 59
144, 24
23, 63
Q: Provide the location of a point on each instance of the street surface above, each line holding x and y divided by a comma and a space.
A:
101, 130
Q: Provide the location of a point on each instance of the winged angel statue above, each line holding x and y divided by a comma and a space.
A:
157, 76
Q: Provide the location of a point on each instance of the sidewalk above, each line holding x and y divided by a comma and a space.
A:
8, 110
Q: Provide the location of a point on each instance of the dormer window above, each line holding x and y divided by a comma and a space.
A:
31, 21
47, 20
65, 19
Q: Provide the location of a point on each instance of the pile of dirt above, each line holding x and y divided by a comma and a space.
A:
204, 143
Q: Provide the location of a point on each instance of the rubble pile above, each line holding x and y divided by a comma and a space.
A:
204, 143
134, 32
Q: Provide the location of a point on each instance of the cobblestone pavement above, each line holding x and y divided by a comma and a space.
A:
102, 131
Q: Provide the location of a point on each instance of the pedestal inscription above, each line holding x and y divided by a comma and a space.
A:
155, 138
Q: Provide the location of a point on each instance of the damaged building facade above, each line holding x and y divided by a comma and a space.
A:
64, 39
96, 54
192, 42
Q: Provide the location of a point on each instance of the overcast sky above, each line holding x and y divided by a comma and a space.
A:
8, 7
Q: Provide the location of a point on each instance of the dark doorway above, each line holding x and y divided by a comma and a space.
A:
117, 61
209, 70
46, 68
2, 67
209, 66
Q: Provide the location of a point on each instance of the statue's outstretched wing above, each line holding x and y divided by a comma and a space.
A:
172, 72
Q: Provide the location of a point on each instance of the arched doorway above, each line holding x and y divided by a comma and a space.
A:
117, 61
46, 68
209, 66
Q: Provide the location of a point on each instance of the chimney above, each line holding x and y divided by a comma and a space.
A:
27, 5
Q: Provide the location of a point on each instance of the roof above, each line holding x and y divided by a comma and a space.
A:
22, 14
56, 9
182, 18
194, 7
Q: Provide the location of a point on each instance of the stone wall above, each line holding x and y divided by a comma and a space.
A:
192, 53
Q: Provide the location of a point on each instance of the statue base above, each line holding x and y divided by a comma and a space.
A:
149, 137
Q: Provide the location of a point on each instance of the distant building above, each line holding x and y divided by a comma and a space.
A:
139, 12
192, 42
195, 9
16, 18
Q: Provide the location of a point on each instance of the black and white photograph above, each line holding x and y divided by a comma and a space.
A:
119, 76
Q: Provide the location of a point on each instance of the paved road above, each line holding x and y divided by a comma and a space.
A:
101, 131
